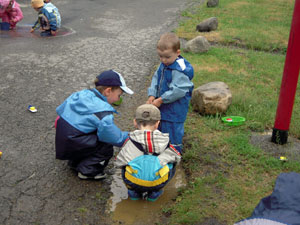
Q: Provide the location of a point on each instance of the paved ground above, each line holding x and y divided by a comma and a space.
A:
35, 188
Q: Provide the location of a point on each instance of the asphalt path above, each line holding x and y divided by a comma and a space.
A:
35, 188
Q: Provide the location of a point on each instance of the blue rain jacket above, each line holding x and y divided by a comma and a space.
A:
173, 84
87, 119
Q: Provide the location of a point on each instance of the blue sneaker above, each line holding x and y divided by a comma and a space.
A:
154, 195
133, 195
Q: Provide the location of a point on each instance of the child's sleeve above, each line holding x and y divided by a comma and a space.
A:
108, 132
178, 87
152, 90
19, 14
122, 158
170, 155
36, 25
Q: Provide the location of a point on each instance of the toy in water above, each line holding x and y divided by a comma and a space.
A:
118, 102
32, 109
233, 120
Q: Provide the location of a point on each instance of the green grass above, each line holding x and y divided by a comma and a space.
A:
255, 24
227, 175
254, 79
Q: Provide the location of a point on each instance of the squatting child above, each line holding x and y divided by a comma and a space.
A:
10, 13
49, 19
171, 88
85, 128
147, 158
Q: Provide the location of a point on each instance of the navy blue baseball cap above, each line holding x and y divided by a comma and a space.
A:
112, 78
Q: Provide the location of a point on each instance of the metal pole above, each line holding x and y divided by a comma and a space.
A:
289, 81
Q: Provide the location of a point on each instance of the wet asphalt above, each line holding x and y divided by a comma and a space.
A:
35, 188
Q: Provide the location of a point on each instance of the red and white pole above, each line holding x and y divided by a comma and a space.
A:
289, 81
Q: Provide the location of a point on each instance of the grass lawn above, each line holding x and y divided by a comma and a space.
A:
255, 24
227, 175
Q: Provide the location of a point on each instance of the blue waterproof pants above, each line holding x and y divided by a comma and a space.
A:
91, 162
176, 132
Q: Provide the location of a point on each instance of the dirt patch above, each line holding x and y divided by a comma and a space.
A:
291, 149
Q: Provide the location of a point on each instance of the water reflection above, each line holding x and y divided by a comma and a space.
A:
24, 31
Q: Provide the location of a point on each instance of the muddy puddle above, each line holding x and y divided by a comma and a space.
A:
129, 212
24, 32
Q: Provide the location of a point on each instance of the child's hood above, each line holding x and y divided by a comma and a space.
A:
151, 141
182, 65
3, 5
86, 102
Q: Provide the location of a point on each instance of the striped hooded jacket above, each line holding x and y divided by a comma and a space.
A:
153, 142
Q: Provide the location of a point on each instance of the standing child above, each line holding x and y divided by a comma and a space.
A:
49, 19
147, 159
171, 88
85, 130
10, 13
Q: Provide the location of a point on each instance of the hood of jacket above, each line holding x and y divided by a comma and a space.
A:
152, 141
182, 65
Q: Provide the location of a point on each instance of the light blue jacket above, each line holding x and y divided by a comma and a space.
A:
89, 113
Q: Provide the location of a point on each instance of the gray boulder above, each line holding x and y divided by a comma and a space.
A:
197, 45
212, 3
211, 98
208, 25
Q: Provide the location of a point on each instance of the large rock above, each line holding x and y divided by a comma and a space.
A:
197, 45
208, 25
212, 3
211, 98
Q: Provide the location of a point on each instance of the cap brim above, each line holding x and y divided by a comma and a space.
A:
127, 90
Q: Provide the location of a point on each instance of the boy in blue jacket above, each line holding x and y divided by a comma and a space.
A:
171, 88
49, 19
85, 130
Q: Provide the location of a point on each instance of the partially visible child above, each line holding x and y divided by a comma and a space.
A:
49, 19
10, 12
147, 159
85, 128
171, 88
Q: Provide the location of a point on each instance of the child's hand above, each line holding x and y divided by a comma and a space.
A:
31, 30
157, 102
53, 32
150, 100
13, 20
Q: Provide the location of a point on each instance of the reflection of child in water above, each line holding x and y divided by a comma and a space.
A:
49, 19
10, 12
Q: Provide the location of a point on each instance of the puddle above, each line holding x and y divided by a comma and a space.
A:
24, 32
129, 212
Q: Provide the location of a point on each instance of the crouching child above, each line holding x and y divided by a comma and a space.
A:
49, 19
85, 128
147, 158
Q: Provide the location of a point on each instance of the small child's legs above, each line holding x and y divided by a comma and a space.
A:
136, 191
175, 131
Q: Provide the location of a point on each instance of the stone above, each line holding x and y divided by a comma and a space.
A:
211, 98
212, 3
208, 25
197, 45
